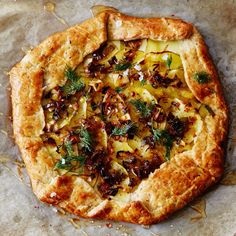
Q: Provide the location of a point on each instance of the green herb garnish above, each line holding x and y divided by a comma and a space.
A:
73, 84
66, 162
103, 117
143, 82
122, 66
164, 138
69, 157
86, 140
69, 148
118, 89
121, 131
168, 61
202, 77
209, 109
144, 109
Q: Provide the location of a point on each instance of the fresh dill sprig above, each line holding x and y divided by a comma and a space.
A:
164, 138
71, 74
127, 128
86, 140
202, 77
122, 66
143, 82
118, 89
74, 83
168, 61
66, 162
69, 148
209, 109
144, 109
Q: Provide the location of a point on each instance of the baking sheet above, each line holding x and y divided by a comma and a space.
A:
24, 24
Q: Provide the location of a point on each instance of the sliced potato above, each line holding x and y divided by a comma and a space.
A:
121, 146
143, 45
139, 56
155, 46
203, 111
110, 102
144, 94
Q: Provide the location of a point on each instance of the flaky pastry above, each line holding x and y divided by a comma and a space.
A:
120, 118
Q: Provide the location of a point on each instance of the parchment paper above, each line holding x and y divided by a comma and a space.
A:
25, 23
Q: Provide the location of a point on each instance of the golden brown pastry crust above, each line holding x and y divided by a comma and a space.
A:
166, 190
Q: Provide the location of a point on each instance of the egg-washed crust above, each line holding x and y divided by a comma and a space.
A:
170, 187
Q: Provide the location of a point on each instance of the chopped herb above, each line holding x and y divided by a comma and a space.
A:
122, 66
103, 117
164, 138
121, 131
71, 74
58, 148
142, 107
66, 162
202, 77
118, 89
74, 84
143, 82
168, 61
87, 95
85, 139
69, 148
209, 109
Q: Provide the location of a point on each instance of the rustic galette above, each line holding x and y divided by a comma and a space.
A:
120, 117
